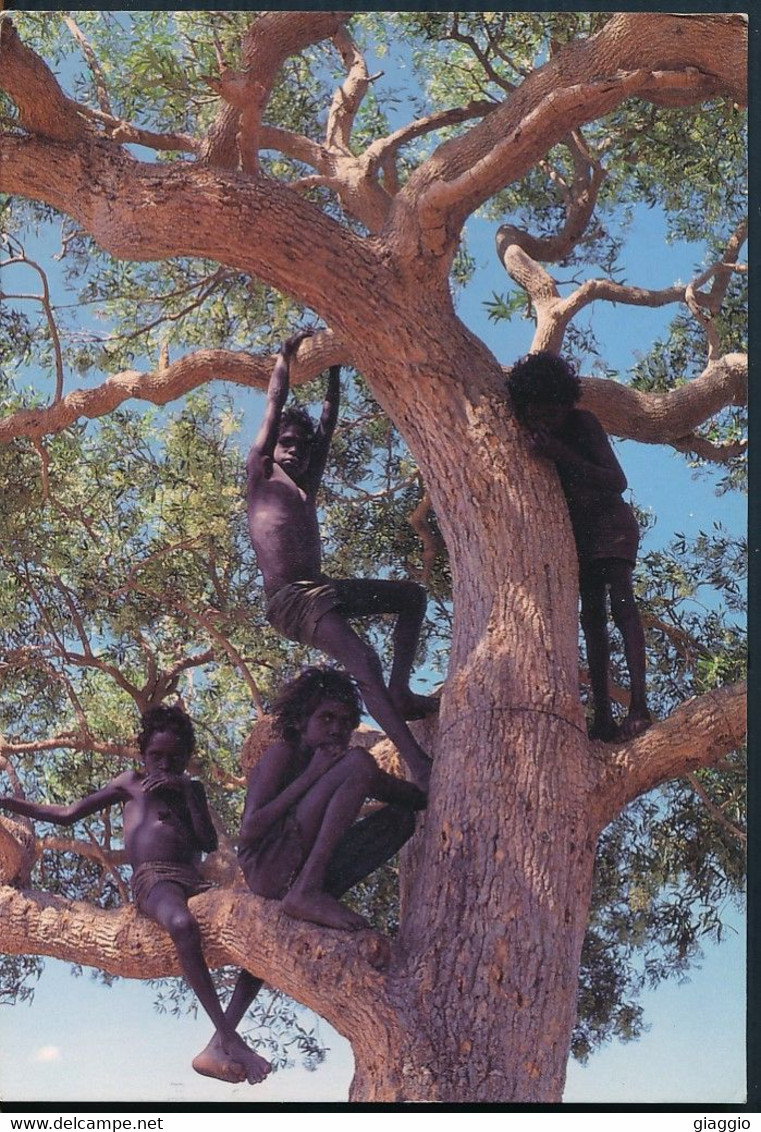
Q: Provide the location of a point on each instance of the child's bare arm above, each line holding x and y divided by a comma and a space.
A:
115, 791
589, 456
277, 393
324, 433
265, 801
194, 796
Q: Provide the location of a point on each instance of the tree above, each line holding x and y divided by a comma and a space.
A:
256, 193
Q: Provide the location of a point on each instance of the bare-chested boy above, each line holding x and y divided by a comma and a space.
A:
299, 840
284, 469
544, 390
167, 826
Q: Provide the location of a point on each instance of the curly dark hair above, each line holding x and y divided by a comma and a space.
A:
542, 378
165, 718
297, 416
300, 697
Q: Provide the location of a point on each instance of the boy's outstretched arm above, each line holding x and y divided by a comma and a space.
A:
324, 433
277, 393
115, 791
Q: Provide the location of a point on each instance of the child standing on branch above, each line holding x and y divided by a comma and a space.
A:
544, 390
284, 469
167, 826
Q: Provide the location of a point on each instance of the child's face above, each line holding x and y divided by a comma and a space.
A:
166, 753
292, 451
545, 415
330, 722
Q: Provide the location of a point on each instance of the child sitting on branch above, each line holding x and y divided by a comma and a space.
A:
300, 841
544, 390
284, 469
167, 826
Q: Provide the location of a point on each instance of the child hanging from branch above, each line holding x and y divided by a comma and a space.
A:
544, 390
167, 826
284, 469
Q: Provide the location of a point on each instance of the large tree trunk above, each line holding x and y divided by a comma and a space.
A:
476, 999
494, 916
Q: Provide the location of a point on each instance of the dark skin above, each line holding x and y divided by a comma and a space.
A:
284, 470
321, 782
593, 481
166, 818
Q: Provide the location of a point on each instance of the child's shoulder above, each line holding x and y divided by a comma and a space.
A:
129, 780
281, 752
585, 418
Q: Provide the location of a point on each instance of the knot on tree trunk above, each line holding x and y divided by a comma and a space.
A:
17, 852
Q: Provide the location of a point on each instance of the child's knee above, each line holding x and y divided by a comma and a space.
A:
623, 608
360, 766
181, 925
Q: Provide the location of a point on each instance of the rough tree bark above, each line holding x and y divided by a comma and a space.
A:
476, 998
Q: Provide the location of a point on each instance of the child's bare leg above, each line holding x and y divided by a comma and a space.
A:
406, 636
369, 597
335, 637
594, 622
626, 617
367, 845
212, 1061
362, 849
167, 905
324, 815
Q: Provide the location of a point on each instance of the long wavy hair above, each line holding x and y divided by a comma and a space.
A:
300, 697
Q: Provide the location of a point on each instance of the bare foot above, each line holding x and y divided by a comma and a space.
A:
255, 1067
635, 724
320, 908
214, 1062
412, 706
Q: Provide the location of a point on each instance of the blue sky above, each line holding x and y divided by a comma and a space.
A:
73, 1042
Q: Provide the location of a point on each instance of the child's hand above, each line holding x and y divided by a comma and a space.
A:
161, 780
543, 443
291, 345
326, 756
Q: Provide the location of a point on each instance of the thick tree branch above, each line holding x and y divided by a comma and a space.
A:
520, 252
661, 58
166, 384
269, 41
338, 974
660, 418
176, 209
43, 107
349, 96
698, 734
